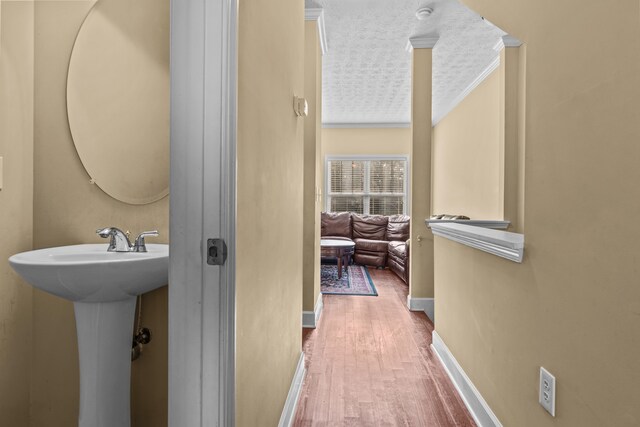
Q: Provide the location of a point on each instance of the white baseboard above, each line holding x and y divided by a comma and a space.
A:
290, 405
480, 410
422, 304
310, 318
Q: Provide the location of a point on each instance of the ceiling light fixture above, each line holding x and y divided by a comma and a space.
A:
423, 13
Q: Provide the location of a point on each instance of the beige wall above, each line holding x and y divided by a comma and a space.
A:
342, 141
67, 210
312, 139
572, 306
16, 206
467, 174
269, 202
421, 247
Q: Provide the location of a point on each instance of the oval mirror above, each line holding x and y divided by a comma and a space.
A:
118, 98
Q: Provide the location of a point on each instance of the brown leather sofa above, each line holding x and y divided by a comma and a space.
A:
335, 225
369, 234
380, 241
398, 236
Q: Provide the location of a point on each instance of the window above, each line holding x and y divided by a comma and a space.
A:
366, 185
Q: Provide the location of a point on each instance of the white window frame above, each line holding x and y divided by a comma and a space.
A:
366, 194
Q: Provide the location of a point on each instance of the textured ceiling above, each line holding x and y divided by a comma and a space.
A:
366, 70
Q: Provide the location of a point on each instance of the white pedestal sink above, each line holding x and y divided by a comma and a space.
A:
103, 287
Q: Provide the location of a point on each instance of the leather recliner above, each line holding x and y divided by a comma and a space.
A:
369, 234
335, 225
398, 236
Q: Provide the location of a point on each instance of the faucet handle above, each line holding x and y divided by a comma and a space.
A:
139, 245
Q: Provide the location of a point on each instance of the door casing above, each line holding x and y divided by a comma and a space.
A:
202, 206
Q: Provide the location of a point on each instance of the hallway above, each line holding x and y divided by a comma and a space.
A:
369, 363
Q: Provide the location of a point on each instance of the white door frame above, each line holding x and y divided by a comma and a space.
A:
202, 206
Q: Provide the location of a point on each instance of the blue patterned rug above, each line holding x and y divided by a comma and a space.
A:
356, 282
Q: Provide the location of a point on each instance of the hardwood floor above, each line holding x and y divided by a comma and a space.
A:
369, 364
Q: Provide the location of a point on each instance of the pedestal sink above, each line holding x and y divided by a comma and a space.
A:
103, 287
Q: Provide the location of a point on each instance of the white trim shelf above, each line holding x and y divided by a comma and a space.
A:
497, 242
486, 223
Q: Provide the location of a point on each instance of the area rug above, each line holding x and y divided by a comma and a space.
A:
356, 282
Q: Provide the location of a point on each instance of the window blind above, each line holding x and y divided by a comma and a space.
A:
367, 186
347, 176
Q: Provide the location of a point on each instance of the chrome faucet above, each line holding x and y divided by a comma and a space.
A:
120, 242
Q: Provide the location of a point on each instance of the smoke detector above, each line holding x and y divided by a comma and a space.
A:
423, 13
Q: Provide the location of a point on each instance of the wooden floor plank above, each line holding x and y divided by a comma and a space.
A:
369, 363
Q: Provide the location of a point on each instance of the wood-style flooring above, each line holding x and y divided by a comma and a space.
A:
369, 364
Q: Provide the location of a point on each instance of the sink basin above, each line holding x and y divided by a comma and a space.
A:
103, 287
89, 273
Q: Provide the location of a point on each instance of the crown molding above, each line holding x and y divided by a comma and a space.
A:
317, 14
423, 42
474, 84
366, 125
313, 13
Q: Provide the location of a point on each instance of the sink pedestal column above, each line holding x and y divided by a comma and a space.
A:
105, 331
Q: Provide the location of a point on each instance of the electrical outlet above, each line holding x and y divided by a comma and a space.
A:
547, 391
